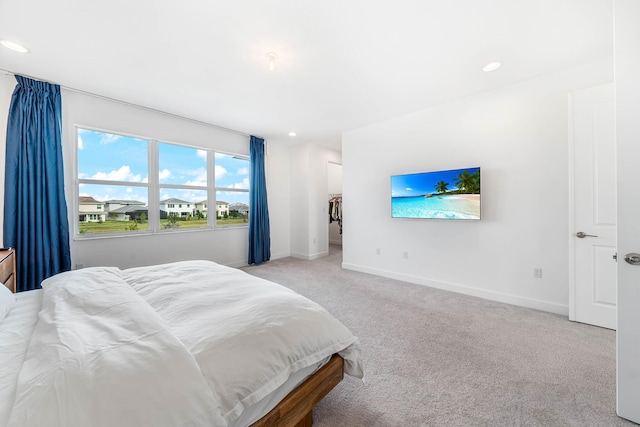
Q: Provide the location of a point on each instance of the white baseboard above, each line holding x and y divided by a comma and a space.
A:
280, 255
310, 257
463, 289
335, 242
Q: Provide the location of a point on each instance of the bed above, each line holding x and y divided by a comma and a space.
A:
190, 343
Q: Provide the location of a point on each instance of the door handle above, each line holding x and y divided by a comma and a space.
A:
582, 235
632, 258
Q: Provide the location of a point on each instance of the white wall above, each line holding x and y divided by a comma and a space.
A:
7, 84
334, 172
299, 168
226, 246
309, 203
518, 135
279, 196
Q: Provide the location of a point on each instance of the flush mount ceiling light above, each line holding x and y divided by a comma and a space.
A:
271, 56
16, 47
292, 133
491, 66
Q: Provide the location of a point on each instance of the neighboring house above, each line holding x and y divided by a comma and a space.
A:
222, 208
202, 207
124, 210
90, 209
241, 208
177, 206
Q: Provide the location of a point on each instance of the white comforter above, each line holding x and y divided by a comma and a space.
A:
101, 356
190, 343
247, 334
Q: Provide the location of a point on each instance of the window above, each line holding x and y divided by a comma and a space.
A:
232, 189
116, 189
111, 168
183, 178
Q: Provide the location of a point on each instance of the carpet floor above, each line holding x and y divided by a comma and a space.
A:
438, 358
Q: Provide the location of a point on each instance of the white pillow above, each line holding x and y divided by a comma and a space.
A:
7, 301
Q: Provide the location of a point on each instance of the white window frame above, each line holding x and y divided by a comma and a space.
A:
153, 187
78, 181
216, 188
209, 225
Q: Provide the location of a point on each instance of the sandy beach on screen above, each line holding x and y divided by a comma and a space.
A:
468, 204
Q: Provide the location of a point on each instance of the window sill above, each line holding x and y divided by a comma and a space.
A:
100, 236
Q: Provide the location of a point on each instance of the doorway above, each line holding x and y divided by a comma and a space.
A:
334, 197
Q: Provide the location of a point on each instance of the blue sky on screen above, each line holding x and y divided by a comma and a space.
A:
109, 157
419, 184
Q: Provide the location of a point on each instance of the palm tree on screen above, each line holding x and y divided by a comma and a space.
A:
468, 182
441, 186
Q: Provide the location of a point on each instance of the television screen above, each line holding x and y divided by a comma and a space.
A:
448, 194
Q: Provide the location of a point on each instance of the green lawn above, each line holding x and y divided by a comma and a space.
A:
110, 226
120, 226
232, 221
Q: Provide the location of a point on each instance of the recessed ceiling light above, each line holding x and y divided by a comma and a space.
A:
271, 56
491, 66
292, 134
16, 47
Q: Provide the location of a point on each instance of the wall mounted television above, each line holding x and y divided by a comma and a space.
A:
446, 194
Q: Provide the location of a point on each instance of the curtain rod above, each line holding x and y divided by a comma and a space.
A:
131, 104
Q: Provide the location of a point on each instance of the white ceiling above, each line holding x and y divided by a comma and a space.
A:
342, 64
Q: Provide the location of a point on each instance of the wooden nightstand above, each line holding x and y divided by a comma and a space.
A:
8, 269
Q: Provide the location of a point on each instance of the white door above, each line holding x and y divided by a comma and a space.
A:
593, 240
627, 80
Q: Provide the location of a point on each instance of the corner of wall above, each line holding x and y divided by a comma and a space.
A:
7, 84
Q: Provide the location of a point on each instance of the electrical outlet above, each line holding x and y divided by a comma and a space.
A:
79, 266
405, 255
377, 251
537, 273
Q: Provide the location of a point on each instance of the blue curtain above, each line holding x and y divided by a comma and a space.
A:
35, 210
259, 234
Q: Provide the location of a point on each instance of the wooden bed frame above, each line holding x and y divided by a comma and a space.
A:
8, 268
295, 409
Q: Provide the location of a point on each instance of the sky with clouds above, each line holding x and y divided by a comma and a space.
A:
108, 157
418, 184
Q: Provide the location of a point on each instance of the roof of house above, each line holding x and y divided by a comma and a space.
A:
87, 199
174, 200
130, 208
218, 202
125, 202
239, 206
